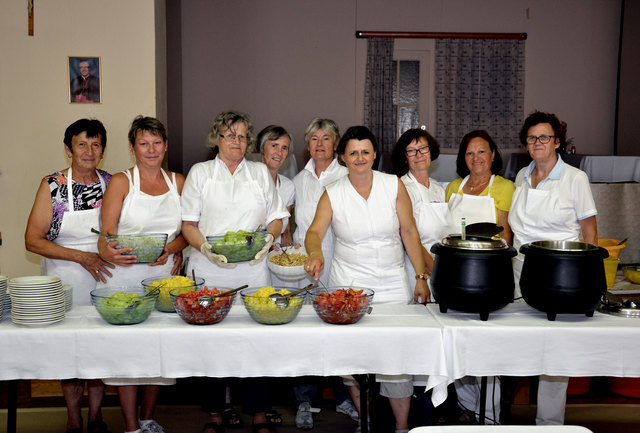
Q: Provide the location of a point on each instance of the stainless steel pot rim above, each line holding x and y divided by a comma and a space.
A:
564, 246
474, 243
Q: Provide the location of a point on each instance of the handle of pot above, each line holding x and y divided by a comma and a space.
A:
604, 252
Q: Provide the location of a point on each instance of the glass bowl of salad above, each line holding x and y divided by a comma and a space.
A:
240, 246
166, 285
341, 305
201, 306
147, 247
123, 305
264, 310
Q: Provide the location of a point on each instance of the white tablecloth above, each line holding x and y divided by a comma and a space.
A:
501, 429
400, 339
519, 341
611, 168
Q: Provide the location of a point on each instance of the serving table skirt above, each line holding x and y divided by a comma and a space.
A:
519, 341
393, 339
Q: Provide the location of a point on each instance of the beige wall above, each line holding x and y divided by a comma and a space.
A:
286, 61
34, 107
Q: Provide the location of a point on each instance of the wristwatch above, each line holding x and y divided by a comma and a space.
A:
422, 276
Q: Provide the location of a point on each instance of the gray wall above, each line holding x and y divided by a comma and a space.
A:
286, 61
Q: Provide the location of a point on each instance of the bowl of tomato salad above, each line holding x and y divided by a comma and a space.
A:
200, 311
341, 305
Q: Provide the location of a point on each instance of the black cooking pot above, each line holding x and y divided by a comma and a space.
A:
474, 275
563, 277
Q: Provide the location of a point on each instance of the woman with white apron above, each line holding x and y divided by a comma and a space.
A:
321, 138
274, 143
225, 194
412, 157
553, 201
479, 186
372, 218
482, 196
143, 199
66, 208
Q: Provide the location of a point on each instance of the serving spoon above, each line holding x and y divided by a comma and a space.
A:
132, 306
282, 301
206, 300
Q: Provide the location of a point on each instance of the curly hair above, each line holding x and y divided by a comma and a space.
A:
224, 122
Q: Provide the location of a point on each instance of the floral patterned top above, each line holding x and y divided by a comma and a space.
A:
85, 197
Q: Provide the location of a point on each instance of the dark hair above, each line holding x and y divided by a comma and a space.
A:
355, 133
272, 132
537, 117
92, 127
148, 124
399, 158
461, 164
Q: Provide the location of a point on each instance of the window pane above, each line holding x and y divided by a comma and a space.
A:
407, 118
409, 81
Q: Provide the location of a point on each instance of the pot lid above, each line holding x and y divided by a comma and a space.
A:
474, 242
564, 246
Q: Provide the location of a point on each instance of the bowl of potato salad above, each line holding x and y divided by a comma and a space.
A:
166, 285
264, 310
288, 263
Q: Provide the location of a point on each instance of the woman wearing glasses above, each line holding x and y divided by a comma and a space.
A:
553, 201
229, 193
412, 157
480, 194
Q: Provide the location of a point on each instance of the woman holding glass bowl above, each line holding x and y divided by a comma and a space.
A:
142, 199
226, 194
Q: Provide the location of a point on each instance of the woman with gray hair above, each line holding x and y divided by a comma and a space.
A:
229, 193
275, 146
321, 138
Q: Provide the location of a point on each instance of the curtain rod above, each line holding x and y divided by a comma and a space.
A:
362, 34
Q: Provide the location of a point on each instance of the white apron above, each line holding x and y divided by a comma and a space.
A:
230, 204
474, 208
309, 190
75, 232
368, 250
433, 221
532, 218
144, 213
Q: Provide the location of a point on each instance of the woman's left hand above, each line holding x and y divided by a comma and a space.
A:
422, 294
313, 267
177, 263
268, 241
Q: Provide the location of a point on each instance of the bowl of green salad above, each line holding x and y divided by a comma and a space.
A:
147, 247
124, 305
239, 246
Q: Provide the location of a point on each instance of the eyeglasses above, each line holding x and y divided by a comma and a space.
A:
543, 139
232, 137
423, 150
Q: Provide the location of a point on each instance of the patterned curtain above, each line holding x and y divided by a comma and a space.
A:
378, 92
479, 85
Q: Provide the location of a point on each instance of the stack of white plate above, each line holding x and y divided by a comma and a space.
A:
36, 300
4, 299
68, 296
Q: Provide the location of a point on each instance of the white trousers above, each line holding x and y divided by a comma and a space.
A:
552, 399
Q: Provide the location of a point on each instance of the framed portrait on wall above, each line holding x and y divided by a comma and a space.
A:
84, 80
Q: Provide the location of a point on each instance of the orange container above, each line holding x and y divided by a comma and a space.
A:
578, 385
610, 270
612, 246
627, 386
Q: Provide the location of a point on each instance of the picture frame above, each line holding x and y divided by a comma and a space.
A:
84, 78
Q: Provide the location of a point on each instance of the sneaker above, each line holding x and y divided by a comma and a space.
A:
348, 408
150, 426
304, 418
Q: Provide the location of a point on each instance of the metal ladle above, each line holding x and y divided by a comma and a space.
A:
282, 301
206, 300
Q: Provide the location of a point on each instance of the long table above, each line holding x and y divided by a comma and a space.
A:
395, 339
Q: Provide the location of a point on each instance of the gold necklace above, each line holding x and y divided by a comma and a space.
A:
471, 188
